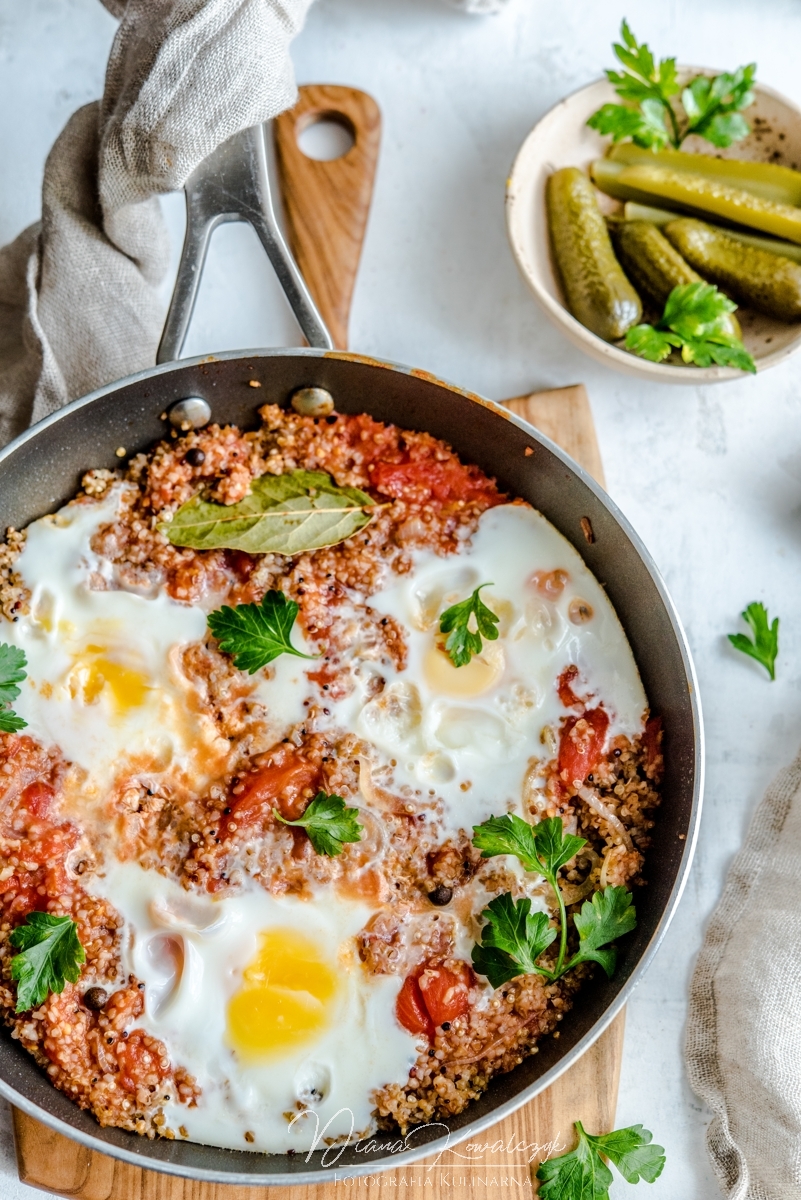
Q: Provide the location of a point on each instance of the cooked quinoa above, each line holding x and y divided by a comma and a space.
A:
92, 1039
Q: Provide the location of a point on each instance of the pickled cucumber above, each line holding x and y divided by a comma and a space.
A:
597, 292
660, 216
705, 197
654, 265
771, 182
755, 278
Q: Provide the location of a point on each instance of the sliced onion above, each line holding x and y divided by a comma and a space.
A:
609, 858
591, 798
573, 892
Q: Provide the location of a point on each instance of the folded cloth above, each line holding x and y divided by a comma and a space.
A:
79, 300
743, 1045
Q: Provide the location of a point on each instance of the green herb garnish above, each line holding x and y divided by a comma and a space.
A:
12, 662
514, 938
463, 643
695, 321
328, 823
583, 1175
255, 634
282, 514
711, 107
50, 955
765, 645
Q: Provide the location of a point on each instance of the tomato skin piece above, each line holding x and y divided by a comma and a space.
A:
564, 687
279, 785
411, 1010
581, 745
444, 992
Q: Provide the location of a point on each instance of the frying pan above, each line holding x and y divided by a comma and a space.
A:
42, 468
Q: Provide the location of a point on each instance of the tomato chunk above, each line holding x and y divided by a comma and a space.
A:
37, 798
423, 480
411, 1011
445, 992
279, 785
141, 1057
581, 745
432, 995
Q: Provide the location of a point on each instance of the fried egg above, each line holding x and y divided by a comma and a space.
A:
264, 1000
468, 734
104, 674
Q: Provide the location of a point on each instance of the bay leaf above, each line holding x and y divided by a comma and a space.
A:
282, 514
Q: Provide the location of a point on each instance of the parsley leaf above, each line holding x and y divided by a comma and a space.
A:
512, 940
711, 106
12, 662
544, 847
463, 643
328, 823
50, 955
605, 918
256, 634
581, 1174
644, 125
694, 320
765, 646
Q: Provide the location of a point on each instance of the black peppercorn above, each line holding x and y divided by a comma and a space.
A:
445, 1025
441, 895
95, 998
195, 457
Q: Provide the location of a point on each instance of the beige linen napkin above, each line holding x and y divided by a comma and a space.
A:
743, 1046
78, 291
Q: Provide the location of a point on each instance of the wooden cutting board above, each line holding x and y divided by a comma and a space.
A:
326, 209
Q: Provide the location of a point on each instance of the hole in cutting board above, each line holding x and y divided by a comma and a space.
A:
326, 136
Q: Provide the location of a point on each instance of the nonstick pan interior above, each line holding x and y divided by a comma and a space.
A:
42, 469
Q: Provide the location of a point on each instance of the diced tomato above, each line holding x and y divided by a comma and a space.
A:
411, 1010
445, 992
37, 798
433, 995
279, 785
426, 479
564, 688
581, 745
140, 1057
652, 744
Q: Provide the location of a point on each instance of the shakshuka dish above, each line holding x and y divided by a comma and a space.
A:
326, 779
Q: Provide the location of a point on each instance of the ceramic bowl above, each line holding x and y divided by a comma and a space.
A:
563, 139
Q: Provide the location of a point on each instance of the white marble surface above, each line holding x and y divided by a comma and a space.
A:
711, 477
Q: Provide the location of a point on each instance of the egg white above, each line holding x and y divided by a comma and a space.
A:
363, 1047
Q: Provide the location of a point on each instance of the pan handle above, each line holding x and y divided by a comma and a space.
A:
232, 184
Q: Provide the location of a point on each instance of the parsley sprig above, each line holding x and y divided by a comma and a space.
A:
328, 823
694, 320
514, 938
12, 662
712, 106
50, 955
255, 634
582, 1173
463, 642
765, 645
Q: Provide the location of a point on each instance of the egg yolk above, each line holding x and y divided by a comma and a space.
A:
93, 671
285, 999
473, 679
